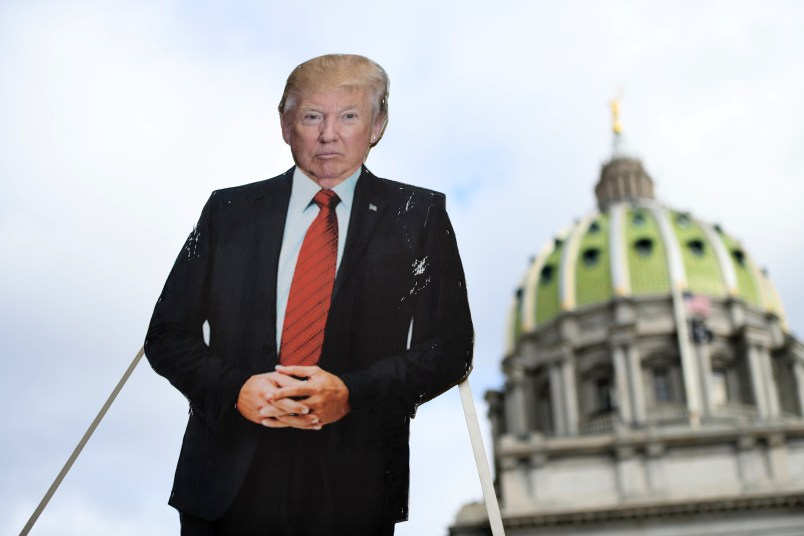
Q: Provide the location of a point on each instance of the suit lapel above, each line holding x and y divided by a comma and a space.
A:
271, 206
368, 206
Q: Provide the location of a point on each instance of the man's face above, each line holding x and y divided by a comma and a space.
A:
329, 133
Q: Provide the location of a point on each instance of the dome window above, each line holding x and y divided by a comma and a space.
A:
696, 247
558, 242
639, 219
683, 220
591, 257
594, 228
739, 256
546, 274
644, 247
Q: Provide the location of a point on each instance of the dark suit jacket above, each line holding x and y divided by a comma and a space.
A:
400, 265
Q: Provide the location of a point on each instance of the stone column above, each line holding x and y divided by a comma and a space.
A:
798, 370
756, 345
516, 407
774, 408
621, 382
531, 407
757, 380
639, 405
570, 396
557, 399
689, 374
705, 376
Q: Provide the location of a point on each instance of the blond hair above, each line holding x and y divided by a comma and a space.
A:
335, 71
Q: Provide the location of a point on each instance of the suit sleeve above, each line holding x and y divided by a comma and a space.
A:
174, 343
440, 353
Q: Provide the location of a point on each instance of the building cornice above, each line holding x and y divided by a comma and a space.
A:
650, 509
513, 447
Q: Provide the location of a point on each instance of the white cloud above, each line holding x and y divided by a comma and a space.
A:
118, 120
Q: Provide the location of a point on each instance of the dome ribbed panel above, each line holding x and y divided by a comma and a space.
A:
548, 304
531, 286
647, 255
723, 258
773, 303
618, 250
568, 282
698, 255
748, 288
593, 264
659, 251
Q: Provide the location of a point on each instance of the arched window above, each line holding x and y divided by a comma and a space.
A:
591, 257
644, 247
662, 385
696, 247
663, 382
546, 275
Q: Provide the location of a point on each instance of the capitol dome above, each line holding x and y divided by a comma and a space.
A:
652, 384
635, 247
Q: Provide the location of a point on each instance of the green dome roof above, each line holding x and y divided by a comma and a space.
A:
634, 246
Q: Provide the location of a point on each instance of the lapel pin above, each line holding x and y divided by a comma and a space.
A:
372, 207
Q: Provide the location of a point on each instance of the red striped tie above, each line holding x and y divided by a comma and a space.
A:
311, 288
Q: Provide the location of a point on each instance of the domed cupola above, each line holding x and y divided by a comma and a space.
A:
650, 380
622, 179
635, 247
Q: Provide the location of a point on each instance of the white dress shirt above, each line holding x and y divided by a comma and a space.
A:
301, 213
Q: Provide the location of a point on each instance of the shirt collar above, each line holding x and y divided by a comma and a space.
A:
304, 189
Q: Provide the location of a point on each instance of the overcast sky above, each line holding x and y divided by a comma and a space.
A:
117, 119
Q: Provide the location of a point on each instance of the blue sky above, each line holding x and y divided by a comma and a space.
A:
117, 119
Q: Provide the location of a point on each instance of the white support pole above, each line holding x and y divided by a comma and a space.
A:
493, 509
472, 424
81, 444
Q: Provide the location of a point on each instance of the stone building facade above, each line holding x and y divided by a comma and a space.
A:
652, 383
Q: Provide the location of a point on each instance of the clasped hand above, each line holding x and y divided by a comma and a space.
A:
297, 397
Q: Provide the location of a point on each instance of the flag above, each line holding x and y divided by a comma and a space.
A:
696, 304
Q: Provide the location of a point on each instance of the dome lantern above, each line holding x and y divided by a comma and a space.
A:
622, 179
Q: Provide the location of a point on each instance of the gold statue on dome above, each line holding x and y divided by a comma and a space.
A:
616, 126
